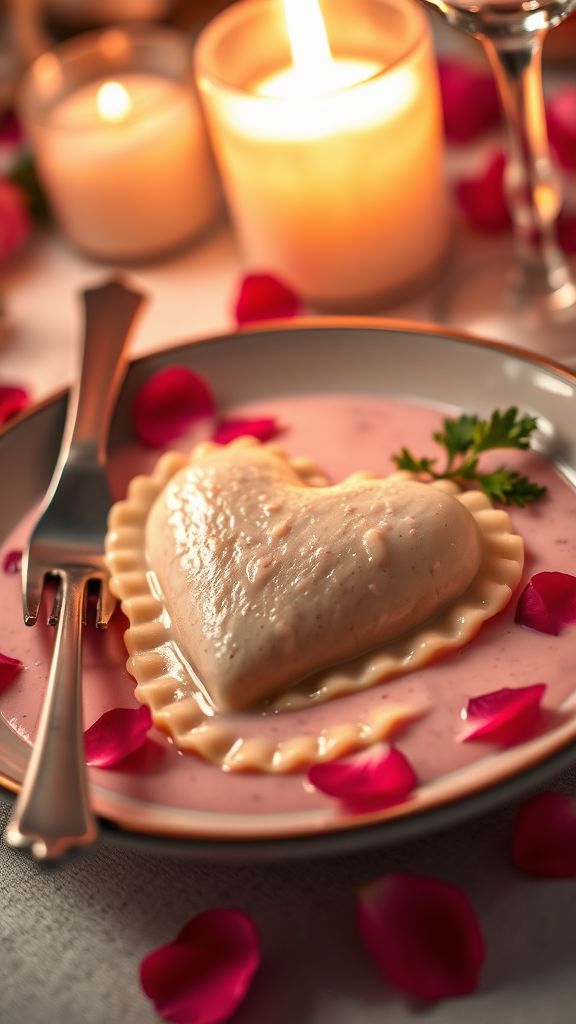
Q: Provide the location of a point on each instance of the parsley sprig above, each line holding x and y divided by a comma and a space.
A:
464, 439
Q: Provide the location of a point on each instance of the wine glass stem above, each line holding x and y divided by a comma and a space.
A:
532, 187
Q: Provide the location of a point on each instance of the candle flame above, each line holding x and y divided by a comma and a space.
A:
311, 53
113, 102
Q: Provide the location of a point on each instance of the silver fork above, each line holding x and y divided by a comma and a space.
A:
52, 813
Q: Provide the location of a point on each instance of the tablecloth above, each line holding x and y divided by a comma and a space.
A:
71, 938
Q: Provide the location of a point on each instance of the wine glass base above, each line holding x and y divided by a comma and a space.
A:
487, 303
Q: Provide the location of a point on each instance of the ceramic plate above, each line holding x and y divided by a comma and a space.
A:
347, 393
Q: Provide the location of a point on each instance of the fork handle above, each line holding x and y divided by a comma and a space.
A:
52, 813
109, 312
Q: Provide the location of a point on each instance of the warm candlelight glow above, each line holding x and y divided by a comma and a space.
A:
113, 102
311, 54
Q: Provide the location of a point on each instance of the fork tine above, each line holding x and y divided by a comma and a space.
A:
105, 606
32, 586
56, 606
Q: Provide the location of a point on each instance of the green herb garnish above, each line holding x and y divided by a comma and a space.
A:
464, 439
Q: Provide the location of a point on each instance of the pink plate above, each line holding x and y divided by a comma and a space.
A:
347, 394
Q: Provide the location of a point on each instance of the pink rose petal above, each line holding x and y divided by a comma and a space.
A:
205, 973
116, 734
168, 404
378, 779
264, 428
469, 101
561, 116
9, 669
482, 198
544, 841
503, 716
422, 934
265, 297
12, 562
567, 231
12, 401
15, 223
548, 602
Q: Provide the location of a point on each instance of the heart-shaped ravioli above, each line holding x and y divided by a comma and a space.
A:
246, 577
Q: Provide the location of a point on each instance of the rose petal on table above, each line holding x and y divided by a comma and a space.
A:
469, 101
262, 427
503, 716
377, 779
548, 602
265, 297
205, 973
168, 403
10, 130
15, 222
9, 669
12, 562
423, 935
115, 735
13, 400
544, 840
561, 117
482, 198
567, 231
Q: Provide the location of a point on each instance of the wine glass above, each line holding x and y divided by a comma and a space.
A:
534, 304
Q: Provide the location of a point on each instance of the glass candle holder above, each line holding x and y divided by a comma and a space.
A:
120, 143
338, 190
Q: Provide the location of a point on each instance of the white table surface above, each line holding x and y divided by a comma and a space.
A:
71, 939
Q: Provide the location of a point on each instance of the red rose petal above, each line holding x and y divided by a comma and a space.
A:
548, 602
544, 841
469, 101
375, 780
264, 428
116, 734
9, 669
12, 562
503, 716
482, 198
204, 975
168, 404
12, 401
10, 129
567, 231
422, 934
561, 117
15, 223
265, 297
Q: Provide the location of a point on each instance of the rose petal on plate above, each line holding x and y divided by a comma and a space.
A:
373, 780
544, 840
168, 403
567, 231
116, 734
561, 117
12, 401
482, 198
205, 973
423, 935
548, 602
469, 101
503, 716
12, 562
265, 297
15, 222
262, 427
9, 669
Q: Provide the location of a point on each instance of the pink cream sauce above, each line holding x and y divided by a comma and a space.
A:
343, 434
